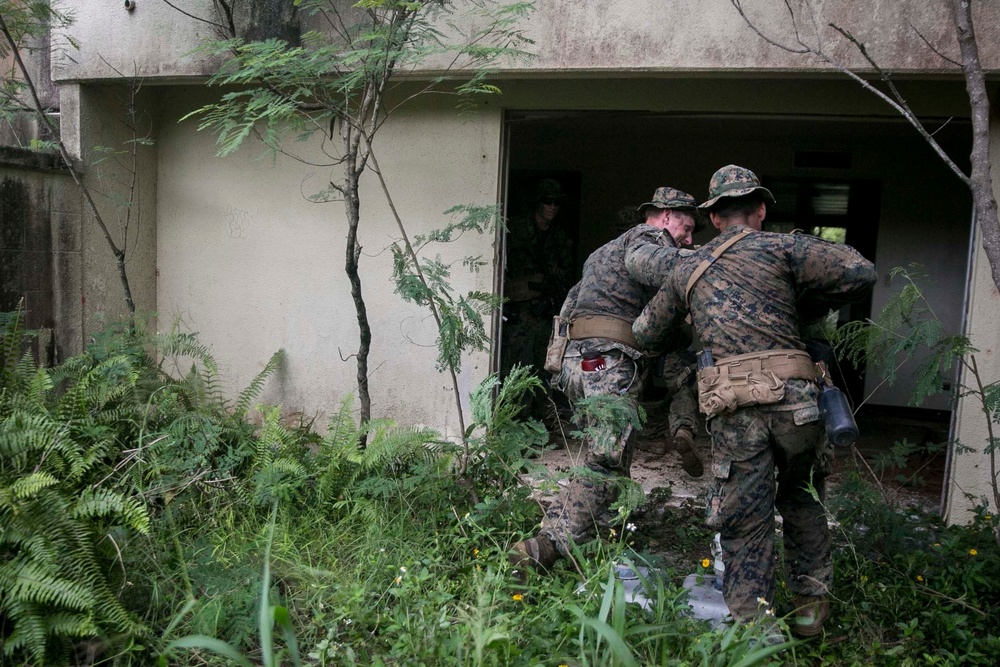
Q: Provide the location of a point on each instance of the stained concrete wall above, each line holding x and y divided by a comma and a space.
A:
573, 37
41, 249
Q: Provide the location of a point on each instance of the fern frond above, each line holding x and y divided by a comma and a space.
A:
104, 502
250, 394
25, 487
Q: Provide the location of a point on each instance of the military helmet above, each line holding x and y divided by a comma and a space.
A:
677, 200
733, 181
548, 188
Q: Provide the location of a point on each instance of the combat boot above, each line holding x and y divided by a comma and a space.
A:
809, 615
537, 552
690, 459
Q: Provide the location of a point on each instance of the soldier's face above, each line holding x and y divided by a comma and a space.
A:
547, 210
680, 226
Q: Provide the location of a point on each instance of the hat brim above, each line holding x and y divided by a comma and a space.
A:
738, 192
663, 207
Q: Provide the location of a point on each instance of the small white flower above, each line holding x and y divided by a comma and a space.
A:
630, 527
769, 612
403, 569
762, 602
382, 550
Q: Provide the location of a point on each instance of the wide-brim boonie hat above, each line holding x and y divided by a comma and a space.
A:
734, 181
677, 200
670, 198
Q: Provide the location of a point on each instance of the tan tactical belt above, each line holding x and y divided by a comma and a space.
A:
785, 364
602, 326
757, 378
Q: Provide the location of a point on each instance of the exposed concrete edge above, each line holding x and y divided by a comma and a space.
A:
13, 157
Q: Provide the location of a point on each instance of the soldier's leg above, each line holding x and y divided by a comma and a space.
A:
575, 512
741, 508
804, 457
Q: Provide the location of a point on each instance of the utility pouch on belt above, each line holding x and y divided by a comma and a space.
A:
557, 345
751, 379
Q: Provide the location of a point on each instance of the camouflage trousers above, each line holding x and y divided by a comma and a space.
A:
678, 378
747, 447
580, 507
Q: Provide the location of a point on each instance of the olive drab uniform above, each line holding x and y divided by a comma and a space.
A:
618, 279
749, 301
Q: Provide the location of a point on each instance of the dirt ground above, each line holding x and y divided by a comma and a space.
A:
671, 523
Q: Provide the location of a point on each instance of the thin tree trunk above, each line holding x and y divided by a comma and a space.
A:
352, 205
981, 180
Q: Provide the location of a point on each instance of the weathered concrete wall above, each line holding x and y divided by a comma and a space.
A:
573, 37
245, 260
969, 482
119, 167
41, 249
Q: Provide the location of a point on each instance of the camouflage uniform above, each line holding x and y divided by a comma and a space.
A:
539, 265
618, 279
750, 300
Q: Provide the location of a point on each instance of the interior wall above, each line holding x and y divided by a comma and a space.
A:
924, 216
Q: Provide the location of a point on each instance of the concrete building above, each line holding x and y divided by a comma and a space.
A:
231, 247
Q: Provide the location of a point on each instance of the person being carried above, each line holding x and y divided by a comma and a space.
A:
748, 293
598, 356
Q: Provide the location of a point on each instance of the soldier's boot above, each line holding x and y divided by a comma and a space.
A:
690, 459
809, 615
537, 552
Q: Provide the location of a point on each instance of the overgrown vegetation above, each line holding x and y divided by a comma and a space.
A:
144, 517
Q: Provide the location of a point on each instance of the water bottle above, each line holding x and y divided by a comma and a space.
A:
841, 428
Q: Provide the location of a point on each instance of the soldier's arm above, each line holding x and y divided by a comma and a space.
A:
647, 259
829, 275
655, 327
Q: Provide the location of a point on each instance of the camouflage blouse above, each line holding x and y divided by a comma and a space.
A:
757, 294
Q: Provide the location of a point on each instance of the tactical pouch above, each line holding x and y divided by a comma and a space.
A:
723, 389
557, 345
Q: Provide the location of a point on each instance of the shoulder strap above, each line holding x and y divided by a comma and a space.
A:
716, 254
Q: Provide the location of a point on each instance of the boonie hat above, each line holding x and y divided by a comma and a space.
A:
677, 200
671, 198
548, 188
734, 181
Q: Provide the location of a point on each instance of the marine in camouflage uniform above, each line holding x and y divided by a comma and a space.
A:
614, 288
754, 298
538, 270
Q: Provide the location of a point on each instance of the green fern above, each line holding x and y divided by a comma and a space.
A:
53, 580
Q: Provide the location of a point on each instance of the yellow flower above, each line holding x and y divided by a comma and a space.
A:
705, 562
517, 597
937, 544
398, 579
475, 552
920, 577
987, 517
973, 552
864, 578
